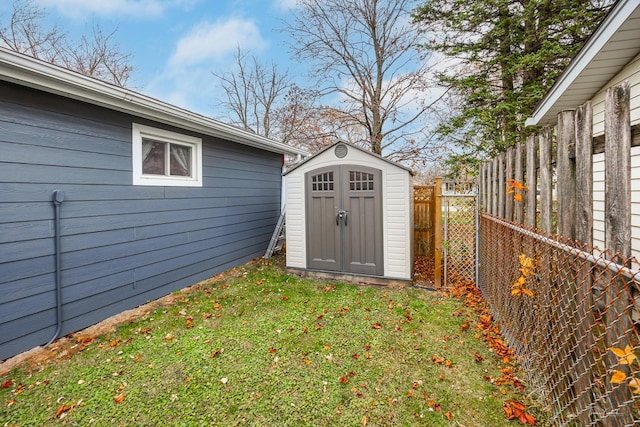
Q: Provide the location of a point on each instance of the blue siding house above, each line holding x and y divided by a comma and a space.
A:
109, 199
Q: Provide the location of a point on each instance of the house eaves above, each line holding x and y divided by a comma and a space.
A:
27, 71
613, 45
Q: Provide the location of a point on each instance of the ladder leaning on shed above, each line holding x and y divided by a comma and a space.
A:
278, 237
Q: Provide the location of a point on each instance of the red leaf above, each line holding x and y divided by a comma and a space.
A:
376, 326
7, 384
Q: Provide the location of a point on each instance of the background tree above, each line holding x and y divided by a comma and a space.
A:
364, 51
507, 54
95, 55
253, 93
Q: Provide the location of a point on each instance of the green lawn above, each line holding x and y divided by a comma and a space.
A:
259, 347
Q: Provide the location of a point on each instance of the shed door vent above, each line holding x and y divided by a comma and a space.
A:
341, 151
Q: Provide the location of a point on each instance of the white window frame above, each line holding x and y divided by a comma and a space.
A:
141, 132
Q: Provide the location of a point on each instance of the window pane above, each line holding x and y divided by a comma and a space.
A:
180, 160
153, 157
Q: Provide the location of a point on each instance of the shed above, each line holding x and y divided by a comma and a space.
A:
110, 198
349, 215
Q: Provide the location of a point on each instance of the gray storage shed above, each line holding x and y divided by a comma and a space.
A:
349, 214
109, 199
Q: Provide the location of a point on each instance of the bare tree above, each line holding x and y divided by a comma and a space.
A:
25, 31
263, 99
365, 51
97, 56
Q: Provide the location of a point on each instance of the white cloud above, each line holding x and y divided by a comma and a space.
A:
285, 5
82, 8
196, 90
216, 41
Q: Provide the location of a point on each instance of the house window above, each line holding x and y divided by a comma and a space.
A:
166, 158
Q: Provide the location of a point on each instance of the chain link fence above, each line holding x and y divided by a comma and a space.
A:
460, 213
571, 315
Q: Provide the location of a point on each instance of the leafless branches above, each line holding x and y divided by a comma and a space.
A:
364, 51
96, 55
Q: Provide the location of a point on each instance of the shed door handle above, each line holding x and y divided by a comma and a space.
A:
341, 214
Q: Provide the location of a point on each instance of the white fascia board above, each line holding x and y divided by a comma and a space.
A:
26, 71
594, 45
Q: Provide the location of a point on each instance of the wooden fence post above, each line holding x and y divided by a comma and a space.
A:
566, 170
483, 182
494, 186
617, 231
487, 187
584, 317
501, 186
519, 177
584, 174
617, 182
546, 184
510, 173
481, 185
437, 268
532, 179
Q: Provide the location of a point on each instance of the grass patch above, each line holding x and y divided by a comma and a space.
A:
260, 347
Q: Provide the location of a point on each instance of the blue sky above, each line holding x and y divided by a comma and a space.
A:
176, 44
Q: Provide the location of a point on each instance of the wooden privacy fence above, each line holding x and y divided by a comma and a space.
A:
424, 218
560, 173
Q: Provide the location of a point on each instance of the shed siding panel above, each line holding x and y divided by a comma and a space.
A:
122, 245
295, 213
396, 221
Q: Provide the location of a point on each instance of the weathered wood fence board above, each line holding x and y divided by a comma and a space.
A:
584, 174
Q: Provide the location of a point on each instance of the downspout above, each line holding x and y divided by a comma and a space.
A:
58, 198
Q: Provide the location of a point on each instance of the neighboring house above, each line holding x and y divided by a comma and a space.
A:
350, 216
151, 198
609, 57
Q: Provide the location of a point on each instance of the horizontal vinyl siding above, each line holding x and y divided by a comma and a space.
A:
598, 201
121, 245
635, 203
632, 73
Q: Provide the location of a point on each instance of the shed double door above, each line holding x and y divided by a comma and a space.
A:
344, 219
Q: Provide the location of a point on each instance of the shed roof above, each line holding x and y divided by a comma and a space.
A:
34, 73
350, 145
613, 45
